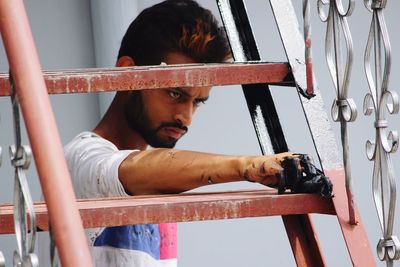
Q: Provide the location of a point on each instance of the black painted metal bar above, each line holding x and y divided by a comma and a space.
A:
299, 228
258, 96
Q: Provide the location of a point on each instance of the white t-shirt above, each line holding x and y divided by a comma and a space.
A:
93, 163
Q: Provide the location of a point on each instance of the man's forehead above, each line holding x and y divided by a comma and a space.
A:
173, 58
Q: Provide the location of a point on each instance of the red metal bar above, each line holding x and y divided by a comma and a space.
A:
355, 236
43, 135
303, 240
116, 79
181, 208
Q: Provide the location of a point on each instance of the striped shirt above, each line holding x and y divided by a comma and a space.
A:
93, 163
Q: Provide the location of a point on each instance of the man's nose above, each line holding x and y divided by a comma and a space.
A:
184, 114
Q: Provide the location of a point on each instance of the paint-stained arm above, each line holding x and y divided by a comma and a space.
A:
162, 170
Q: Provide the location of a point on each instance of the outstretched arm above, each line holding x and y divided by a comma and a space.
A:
162, 170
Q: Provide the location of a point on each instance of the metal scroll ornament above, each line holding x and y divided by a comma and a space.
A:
386, 142
23, 204
343, 108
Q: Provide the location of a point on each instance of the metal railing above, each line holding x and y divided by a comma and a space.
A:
34, 101
344, 109
54, 175
376, 102
25, 222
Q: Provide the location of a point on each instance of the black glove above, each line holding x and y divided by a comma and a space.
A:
301, 176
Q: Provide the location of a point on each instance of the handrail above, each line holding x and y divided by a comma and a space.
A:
105, 212
151, 77
43, 135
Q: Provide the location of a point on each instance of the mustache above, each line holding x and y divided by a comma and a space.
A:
173, 124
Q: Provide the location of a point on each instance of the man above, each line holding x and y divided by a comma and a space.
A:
112, 160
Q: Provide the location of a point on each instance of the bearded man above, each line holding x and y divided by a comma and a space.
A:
112, 160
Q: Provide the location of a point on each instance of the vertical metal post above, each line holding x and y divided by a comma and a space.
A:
344, 109
43, 135
308, 51
378, 101
21, 156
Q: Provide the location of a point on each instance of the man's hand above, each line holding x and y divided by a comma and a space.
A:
301, 176
287, 171
265, 170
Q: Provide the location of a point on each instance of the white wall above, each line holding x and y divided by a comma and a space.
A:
63, 33
110, 19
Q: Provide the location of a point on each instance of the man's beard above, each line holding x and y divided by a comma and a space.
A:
138, 120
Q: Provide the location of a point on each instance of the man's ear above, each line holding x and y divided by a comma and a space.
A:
125, 61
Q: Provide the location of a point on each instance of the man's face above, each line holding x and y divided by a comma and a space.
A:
162, 116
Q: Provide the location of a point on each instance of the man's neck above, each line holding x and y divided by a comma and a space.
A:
117, 131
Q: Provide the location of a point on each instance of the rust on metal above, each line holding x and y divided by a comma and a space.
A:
152, 77
303, 240
355, 236
181, 208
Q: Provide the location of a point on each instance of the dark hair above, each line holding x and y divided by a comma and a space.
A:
175, 26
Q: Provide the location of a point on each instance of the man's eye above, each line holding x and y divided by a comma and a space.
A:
199, 102
175, 94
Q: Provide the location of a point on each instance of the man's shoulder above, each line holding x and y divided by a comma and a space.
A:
86, 140
87, 145
93, 163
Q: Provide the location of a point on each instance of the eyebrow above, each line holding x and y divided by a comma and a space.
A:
202, 99
186, 94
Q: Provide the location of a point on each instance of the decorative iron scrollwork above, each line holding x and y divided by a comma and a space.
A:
343, 108
379, 100
21, 158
